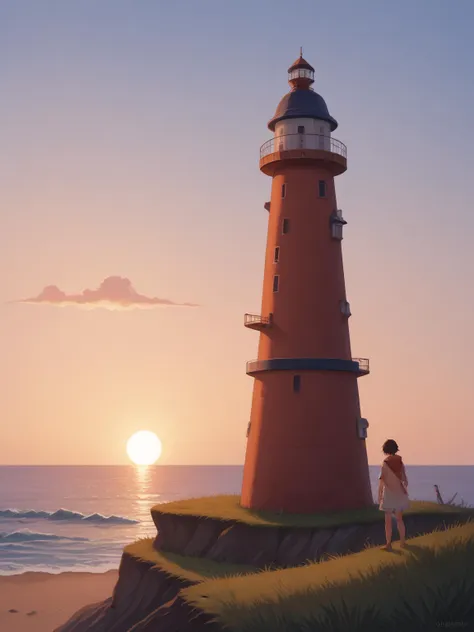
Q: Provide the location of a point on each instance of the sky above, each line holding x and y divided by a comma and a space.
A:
130, 136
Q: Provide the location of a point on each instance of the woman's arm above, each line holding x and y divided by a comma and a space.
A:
380, 496
404, 476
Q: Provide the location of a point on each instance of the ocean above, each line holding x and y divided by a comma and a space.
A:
55, 518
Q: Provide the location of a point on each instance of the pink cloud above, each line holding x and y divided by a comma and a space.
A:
113, 293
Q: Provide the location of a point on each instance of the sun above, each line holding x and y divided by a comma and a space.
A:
144, 448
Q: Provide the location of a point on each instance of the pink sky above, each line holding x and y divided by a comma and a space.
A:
117, 164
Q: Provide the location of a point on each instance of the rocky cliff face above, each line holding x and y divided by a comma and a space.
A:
263, 546
144, 598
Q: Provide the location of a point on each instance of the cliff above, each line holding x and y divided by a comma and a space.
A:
284, 541
190, 549
146, 594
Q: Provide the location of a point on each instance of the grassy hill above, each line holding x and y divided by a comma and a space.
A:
428, 586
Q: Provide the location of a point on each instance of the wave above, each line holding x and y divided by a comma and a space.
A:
25, 535
96, 567
65, 515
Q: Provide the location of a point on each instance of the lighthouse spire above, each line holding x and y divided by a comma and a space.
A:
300, 73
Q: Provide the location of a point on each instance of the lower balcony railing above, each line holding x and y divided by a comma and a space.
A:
364, 366
359, 366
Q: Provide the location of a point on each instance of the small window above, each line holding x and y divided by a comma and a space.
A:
296, 383
286, 226
276, 282
322, 188
276, 256
300, 129
283, 190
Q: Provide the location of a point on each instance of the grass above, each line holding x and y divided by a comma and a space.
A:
194, 569
427, 586
228, 508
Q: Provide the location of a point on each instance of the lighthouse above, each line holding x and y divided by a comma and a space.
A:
306, 449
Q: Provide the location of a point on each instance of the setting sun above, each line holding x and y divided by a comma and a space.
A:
144, 448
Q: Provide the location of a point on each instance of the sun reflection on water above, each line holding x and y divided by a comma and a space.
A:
144, 499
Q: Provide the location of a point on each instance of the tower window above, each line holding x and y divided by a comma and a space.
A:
276, 282
322, 188
276, 255
296, 383
286, 226
300, 129
283, 190
336, 230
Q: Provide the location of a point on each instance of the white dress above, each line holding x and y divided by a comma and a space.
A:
394, 498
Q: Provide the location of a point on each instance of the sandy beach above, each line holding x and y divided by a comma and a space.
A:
52, 598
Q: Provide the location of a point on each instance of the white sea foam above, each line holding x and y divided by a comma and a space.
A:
64, 515
26, 535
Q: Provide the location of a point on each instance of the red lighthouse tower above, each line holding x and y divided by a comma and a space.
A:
306, 438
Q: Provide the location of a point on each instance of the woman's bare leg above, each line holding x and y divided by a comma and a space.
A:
388, 528
401, 527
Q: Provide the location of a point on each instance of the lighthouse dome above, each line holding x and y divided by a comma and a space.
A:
302, 104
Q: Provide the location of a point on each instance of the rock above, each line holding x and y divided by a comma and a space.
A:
319, 542
345, 540
13, 611
243, 544
155, 589
204, 537
30, 614
375, 534
174, 532
131, 573
294, 548
177, 615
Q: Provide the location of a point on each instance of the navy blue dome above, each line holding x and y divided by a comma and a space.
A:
302, 104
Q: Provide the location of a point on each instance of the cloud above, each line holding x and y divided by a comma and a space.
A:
113, 293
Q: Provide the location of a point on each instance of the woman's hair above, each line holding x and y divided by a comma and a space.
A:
390, 447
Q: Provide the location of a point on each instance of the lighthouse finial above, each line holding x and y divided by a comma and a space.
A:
301, 51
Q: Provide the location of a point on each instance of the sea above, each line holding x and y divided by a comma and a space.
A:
79, 518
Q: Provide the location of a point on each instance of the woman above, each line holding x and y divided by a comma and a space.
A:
393, 494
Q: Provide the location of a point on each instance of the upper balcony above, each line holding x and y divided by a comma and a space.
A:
304, 147
256, 321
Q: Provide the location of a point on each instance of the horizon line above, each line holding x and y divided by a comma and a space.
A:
198, 465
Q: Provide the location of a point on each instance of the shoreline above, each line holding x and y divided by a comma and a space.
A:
42, 600
43, 571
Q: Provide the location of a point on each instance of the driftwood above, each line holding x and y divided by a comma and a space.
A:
440, 498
